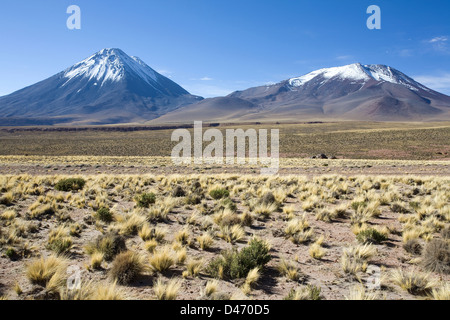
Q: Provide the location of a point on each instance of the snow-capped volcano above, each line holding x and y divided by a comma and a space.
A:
111, 87
359, 73
110, 65
107, 87
352, 92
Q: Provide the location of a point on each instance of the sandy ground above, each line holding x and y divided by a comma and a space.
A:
319, 168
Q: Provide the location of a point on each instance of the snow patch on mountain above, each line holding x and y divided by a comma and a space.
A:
359, 73
110, 65
351, 72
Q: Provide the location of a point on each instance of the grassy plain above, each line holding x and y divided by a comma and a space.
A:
139, 227
348, 140
136, 234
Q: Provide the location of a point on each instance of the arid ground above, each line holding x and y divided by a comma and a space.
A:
111, 209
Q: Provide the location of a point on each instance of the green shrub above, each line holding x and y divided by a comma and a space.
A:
237, 264
104, 214
220, 267
71, 184
11, 253
371, 236
219, 193
256, 254
145, 200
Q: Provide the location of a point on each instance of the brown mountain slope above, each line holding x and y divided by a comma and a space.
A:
354, 92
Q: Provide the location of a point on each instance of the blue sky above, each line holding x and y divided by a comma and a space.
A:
213, 47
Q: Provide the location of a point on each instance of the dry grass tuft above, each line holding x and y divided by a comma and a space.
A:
355, 259
305, 293
41, 271
193, 268
414, 282
288, 270
436, 256
232, 234
442, 292
162, 260
205, 241
166, 290
359, 292
316, 251
127, 267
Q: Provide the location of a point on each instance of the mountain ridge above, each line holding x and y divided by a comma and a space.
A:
110, 87
351, 92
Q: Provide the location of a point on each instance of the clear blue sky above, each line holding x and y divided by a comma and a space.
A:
213, 47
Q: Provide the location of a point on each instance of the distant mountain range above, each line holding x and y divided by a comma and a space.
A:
352, 92
111, 87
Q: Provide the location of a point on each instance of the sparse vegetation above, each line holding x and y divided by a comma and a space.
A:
237, 264
436, 256
219, 193
288, 270
252, 278
126, 267
203, 240
442, 292
59, 240
145, 200
104, 214
42, 271
371, 235
193, 268
305, 293
97, 292
71, 184
355, 259
413, 246
162, 259
232, 234
414, 282
166, 290
359, 292
109, 245
316, 251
